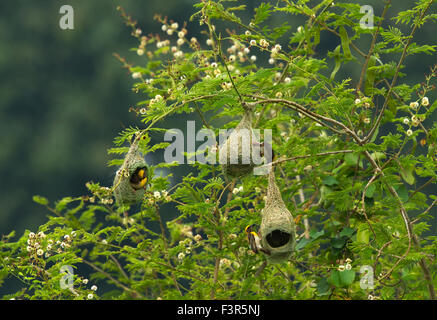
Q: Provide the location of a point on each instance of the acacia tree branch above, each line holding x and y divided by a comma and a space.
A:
395, 77
372, 46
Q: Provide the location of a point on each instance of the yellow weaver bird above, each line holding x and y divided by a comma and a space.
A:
138, 179
254, 240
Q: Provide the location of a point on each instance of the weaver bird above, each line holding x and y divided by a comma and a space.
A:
138, 179
254, 240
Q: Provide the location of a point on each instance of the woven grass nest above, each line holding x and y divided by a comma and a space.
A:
277, 225
130, 188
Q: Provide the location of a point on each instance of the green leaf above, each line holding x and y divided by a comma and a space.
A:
323, 287
363, 233
262, 13
345, 43
347, 277
330, 181
40, 200
370, 190
347, 232
337, 58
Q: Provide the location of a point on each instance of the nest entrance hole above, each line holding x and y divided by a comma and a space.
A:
278, 238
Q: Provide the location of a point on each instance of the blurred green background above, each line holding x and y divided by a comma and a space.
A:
64, 97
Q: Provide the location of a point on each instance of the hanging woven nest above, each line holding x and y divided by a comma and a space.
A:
235, 154
277, 225
131, 179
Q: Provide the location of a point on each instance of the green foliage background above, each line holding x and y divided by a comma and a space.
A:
65, 97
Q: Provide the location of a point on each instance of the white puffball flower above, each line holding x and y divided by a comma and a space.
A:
278, 95
140, 51
181, 255
170, 32
90, 296
85, 281
357, 101
174, 25
94, 288
366, 120
40, 252
209, 42
299, 29
180, 41
287, 80
136, 75
406, 120
157, 195
104, 241
409, 132
253, 42
341, 267
425, 102
235, 190
414, 105
247, 33
181, 34
164, 28
31, 235
348, 266
253, 58
271, 61
232, 58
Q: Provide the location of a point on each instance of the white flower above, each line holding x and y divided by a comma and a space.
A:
414, 105
29, 248
164, 27
180, 41
425, 102
157, 195
278, 47
90, 296
357, 101
197, 237
232, 58
94, 288
278, 95
193, 40
181, 34
174, 25
366, 120
73, 233
406, 120
341, 267
264, 43
253, 58
235, 190
104, 241
143, 111
299, 29
140, 51
271, 61
287, 80
41, 234
181, 255
348, 266
170, 32
49, 247
209, 42
247, 33
253, 42
409, 132
85, 281
246, 50
40, 252
67, 237
136, 75
31, 235
138, 32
